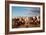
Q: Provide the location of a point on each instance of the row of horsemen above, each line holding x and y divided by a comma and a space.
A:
26, 21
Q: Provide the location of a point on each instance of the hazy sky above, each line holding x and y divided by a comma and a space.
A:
25, 11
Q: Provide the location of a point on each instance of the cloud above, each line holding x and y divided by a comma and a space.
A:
33, 12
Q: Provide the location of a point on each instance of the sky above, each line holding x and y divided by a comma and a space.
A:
25, 11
